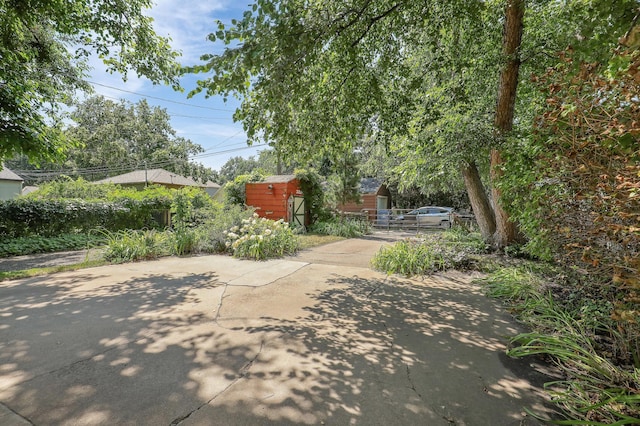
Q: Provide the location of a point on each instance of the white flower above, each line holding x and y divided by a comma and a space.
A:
267, 232
255, 215
260, 237
235, 228
253, 237
232, 235
227, 244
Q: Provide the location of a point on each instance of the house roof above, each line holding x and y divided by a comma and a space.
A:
151, 176
29, 189
6, 174
278, 179
211, 184
369, 185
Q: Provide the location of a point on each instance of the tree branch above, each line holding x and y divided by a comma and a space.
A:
372, 22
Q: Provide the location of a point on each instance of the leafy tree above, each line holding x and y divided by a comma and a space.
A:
44, 46
118, 137
133, 136
419, 78
237, 166
582, 187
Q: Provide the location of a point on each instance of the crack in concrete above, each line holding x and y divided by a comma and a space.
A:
410, 380
242, 373
304, 265
217, 319
14, 414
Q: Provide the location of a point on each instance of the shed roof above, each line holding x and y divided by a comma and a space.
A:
6, 174
151, 176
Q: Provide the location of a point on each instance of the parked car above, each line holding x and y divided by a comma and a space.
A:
430, 216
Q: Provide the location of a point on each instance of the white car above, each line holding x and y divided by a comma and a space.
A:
430, 216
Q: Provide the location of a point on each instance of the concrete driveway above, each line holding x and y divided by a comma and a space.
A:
318, 338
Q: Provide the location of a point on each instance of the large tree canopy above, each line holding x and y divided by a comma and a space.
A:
417, 79
118, 137
44, 46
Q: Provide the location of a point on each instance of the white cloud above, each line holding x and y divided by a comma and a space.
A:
188, 24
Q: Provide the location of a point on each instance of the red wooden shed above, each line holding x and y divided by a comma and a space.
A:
277, 197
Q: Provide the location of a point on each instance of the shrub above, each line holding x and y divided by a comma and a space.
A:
436, 252
260, 238
212, 232
36, 244
577, 332
130, 245
342, 227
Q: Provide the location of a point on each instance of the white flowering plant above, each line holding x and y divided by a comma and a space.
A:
260, 238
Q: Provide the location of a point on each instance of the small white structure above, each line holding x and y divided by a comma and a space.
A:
10, 184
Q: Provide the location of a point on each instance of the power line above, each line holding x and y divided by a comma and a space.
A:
158, 98
43, 174
172, 114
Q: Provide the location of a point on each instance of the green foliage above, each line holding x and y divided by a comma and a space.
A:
131, 245
573, 185
183, 241
575, 329
20, 218
37, 244
120, 135
40, 72
342, 227
260, 238
67, 187
313, 193
234, 191
452, 249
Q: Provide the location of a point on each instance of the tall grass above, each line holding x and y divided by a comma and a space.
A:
341, 227
594, 389
128, 246
436, 252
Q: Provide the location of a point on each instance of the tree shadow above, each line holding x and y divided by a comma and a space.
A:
388, 351
84, 349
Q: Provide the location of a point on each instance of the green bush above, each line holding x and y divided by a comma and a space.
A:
219, 218
341, 227
130, 245
453, 249
260, 238
35, 244
183, 241
576, 331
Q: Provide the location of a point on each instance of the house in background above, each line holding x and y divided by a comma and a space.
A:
141, 178
29, 189
373, 196
278, 197
10, 184
211, 188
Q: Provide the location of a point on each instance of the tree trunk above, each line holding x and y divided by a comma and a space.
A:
479, 200
506, 231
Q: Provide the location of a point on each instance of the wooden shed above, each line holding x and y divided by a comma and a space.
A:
373, 196
277, 197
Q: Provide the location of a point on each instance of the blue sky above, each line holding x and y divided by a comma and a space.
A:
206, 121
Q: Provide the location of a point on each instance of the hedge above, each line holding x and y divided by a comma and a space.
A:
27, 217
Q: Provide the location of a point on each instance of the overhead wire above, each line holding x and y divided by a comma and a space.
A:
158, 98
